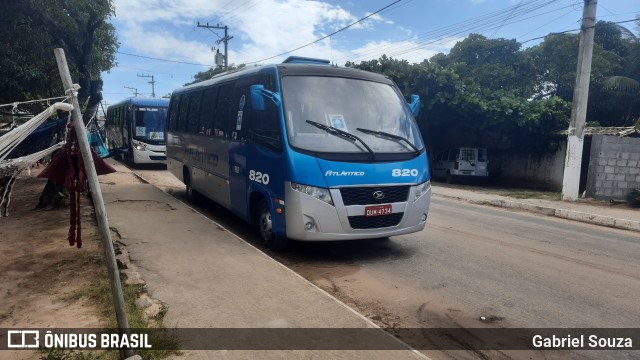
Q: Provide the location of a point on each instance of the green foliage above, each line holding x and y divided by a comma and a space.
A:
31, 29
464, 110
206, 75
490, 92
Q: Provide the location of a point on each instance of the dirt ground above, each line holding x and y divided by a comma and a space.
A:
42, 277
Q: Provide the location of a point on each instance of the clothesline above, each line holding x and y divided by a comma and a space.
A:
15, 104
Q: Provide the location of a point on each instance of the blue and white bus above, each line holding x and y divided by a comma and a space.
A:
136, 127
303, 150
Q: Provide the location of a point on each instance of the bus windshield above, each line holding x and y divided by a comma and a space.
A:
149, 123
349, 105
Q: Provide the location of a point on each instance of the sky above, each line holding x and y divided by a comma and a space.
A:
160, 39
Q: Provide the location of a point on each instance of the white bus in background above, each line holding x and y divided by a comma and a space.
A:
136, 127
460, 162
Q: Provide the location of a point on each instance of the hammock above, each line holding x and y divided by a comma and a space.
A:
13, 138
96, 142
10, 169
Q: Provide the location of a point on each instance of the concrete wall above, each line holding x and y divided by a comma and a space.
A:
614, 168
529, 170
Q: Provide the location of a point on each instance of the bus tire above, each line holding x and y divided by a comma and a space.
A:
193, 196
130, 158
265, 227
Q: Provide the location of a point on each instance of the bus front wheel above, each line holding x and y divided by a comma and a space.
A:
265, 226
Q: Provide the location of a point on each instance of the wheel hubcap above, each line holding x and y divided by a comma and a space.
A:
265, 224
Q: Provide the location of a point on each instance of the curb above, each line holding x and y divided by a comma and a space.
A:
601, 220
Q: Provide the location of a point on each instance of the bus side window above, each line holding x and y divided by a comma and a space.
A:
194, 112
183, 112
173, 113
224, 114
207, 111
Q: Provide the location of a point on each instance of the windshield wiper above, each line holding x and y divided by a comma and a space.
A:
340, 133
390, 136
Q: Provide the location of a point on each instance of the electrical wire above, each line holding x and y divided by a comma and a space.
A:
165, 60
478, 24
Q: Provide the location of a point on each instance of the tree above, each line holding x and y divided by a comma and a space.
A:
206, 75
494, 64
31, 30
619, 95
458, 111
555, 61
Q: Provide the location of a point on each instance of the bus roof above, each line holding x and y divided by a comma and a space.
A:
295, 68
142, 101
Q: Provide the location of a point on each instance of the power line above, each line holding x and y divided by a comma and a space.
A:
165, 60
568, 31
324, 37
482, 23
474, 24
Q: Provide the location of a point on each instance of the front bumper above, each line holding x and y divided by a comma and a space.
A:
310, 219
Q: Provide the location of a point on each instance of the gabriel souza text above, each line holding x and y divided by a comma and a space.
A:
582, 342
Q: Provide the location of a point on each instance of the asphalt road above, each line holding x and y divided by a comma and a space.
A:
473, 266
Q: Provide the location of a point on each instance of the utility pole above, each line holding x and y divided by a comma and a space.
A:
225, 40
575, 139
135, 90
152, 82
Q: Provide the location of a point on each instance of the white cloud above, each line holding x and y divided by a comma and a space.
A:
263, 28
410, 50
260, 29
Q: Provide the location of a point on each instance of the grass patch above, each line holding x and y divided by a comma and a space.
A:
532, 194
99, 294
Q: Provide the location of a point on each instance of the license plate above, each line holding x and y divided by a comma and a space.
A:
377, 210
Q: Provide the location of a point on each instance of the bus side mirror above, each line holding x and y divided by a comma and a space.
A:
259, 93
414, 105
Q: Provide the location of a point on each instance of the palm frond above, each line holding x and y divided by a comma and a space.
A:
622, 84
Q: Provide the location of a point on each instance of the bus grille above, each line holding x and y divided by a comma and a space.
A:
364, 195
374, 222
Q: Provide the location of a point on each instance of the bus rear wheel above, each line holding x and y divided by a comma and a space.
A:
193, 196
265, 227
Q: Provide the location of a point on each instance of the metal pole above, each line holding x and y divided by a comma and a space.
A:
575, 139
98, 203
226, 52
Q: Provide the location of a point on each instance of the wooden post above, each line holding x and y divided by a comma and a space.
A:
98, 203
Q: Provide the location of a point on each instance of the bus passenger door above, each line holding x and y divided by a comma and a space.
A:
238, 174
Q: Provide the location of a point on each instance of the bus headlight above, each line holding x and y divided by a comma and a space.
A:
422, 189
316, 192
140, 146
